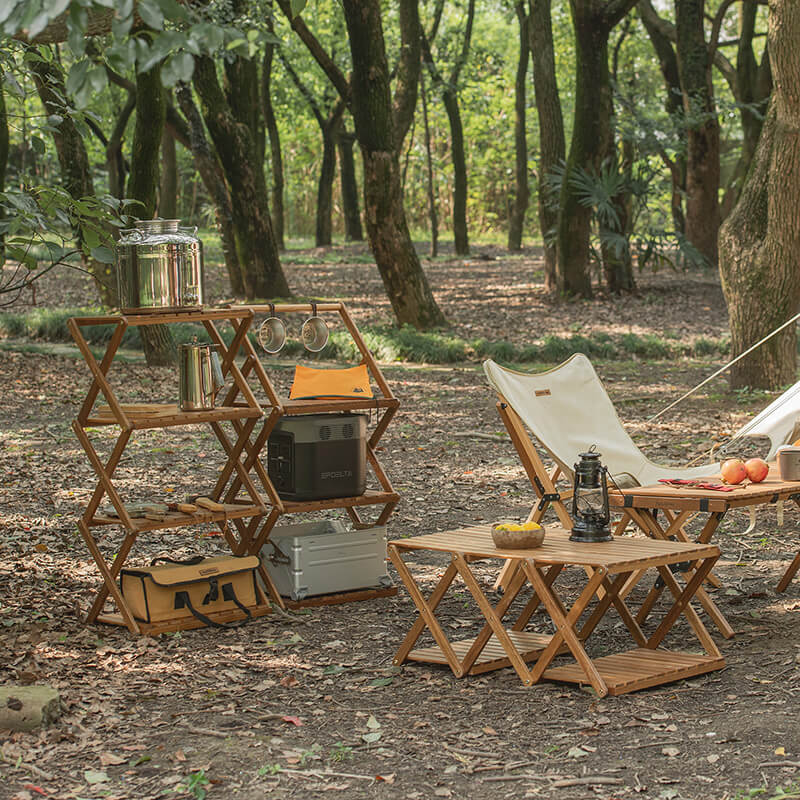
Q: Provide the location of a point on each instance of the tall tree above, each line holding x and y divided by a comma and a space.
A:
231, 118
381, 124
522, 191
429, 184
760, 239
668, 63
552, 143
4, 140
192, 135
593, 21
448, 87
349, 186
702, 137
73, 159
273, 133
329, 119
157, 342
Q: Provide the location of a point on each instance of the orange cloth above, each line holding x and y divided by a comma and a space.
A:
310, 383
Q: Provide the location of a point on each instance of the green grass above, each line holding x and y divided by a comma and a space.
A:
387, 342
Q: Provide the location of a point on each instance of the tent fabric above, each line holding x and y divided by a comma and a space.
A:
779, 422
567, 409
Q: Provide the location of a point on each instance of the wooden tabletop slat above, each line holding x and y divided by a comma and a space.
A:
688, 498
620, 555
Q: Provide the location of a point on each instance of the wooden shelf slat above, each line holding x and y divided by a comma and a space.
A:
188, 623
639, 668
493, 656
369, 498
175, 519
291, 407
161, 419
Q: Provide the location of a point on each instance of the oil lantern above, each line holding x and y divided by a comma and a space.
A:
590, 511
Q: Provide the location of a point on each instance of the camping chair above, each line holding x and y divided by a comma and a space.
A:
567, 410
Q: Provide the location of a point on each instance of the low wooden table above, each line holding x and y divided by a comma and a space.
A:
608, 567
679, 503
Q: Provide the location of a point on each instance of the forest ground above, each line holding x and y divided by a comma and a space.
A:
183, 714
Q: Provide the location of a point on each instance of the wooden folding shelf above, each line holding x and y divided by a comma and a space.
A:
253, 537
130, 418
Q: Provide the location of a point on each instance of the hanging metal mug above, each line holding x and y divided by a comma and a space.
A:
201, 378
314, 332
272, 333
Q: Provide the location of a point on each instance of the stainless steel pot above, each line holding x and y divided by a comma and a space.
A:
201, 376
159, 266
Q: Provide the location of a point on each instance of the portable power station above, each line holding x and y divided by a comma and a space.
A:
318, 456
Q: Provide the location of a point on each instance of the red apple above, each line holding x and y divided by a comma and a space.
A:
733, 470
757, 469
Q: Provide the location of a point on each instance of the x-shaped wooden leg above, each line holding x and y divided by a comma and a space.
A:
650, 525
565, 624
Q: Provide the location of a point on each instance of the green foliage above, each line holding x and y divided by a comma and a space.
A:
37, 224
195, 785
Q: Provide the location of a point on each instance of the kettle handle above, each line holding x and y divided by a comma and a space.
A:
217, 378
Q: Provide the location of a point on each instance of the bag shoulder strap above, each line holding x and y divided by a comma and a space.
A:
182, 600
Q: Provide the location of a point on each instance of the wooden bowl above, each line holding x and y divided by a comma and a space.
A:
517, 540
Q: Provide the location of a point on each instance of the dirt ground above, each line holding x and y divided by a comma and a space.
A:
307, 705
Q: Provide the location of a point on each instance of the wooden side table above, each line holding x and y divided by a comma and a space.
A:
678, 504
608, 566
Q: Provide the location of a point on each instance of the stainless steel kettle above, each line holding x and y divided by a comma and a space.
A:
201, 378
159, 266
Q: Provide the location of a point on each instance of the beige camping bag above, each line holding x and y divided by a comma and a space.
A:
196, 588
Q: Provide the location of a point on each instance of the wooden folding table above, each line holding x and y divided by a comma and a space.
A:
607, 567
679, 504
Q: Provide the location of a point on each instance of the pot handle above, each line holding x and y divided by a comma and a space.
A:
217, 378
131, 234
190, 229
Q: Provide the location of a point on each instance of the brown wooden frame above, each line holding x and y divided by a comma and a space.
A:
243, 416
256, 533
609, 567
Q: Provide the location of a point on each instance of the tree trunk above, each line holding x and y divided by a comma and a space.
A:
552, 146
522, 191
157, 343
168, 191
760, 240
208, 166
702, 141
668, 63
349, 186
405, 282
73, 160
256, 248
115, 160
755, 84
4, 138
449, 90
432, 215
460, 233
276, 157
324, 229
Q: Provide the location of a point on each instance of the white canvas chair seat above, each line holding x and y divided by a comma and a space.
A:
567, 410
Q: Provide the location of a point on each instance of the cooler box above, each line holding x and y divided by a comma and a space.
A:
311, 558
318, 456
